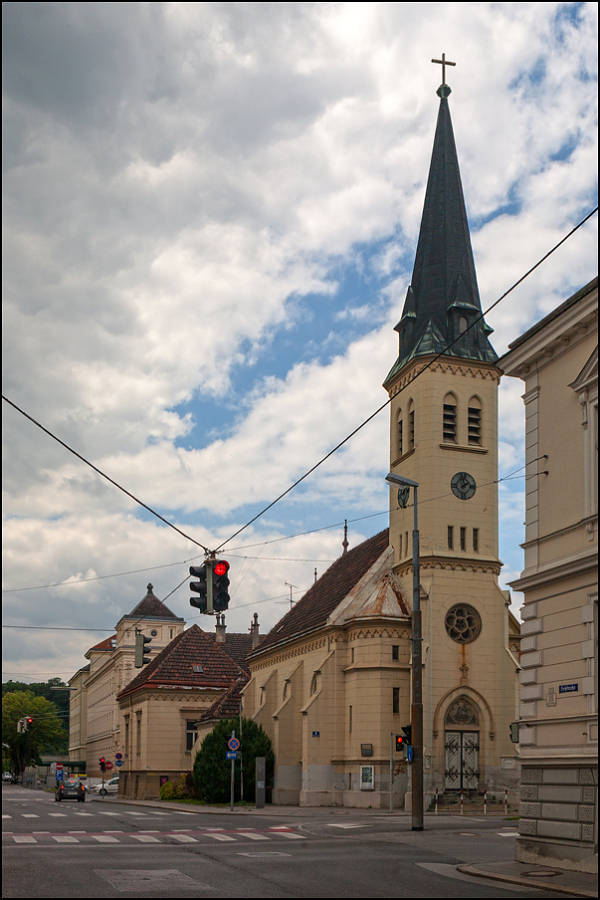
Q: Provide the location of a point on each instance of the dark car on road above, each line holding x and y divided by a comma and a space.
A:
70, 789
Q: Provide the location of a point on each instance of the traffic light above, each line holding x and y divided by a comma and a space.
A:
407, 732
220, 585
28, 723
400, 743
514, 732
201, 588
20, 726
140, 649
102, 764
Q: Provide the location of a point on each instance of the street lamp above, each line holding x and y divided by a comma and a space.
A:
416, 716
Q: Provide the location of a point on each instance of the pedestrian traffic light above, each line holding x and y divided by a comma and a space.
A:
201, 588
140, 649
220, 585
102, 764
400, 743
407, 732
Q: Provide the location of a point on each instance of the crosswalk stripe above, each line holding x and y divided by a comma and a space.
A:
254, 837
23, 839
184, 838
7, 817
145, 838
219, 837
292, 836
58, 815
30, 816
65, 839
105, 839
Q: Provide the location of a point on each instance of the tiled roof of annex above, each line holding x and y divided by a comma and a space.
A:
109, 643
327, 593
191, 659
237, 646
227, 706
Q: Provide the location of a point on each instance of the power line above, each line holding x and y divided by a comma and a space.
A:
104, 475
417, 375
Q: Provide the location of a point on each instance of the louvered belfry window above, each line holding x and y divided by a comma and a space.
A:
449, 422
474, 424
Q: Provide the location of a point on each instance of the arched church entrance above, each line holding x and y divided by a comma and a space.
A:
461, 742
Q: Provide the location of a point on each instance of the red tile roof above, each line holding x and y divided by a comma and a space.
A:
110, 643
324, 596
237, 646
227, 706
174, 666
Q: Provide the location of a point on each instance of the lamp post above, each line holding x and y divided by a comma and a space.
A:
416, 716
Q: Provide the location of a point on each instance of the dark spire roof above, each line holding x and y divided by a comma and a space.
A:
443, 290
152, 608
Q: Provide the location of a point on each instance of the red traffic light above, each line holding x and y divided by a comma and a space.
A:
221, 567
30, 721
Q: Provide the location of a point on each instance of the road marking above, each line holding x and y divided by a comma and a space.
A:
115, 831
254, 837
40, 832
145, 838
85, 814
24, 839
182, 829
102, 813
139, 815
362, 825
65, 839
262, 855
30, 816
70, 832
149, 831
219, 837
58, 815
508, 833
7, 817
279, 827
184, 838
291, 836
105, 839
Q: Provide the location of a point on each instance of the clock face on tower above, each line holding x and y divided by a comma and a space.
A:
463, 485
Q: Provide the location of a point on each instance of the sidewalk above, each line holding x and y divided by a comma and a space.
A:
544, 878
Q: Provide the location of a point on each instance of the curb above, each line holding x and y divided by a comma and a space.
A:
514, 879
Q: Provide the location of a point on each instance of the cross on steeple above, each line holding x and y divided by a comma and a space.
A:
443, 63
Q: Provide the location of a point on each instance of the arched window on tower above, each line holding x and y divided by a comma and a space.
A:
399, 433
411, 425
475, 421
450, 419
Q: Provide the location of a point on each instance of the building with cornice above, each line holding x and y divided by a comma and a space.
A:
332, 681
557, 360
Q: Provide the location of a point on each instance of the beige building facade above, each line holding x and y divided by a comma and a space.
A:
331, 683
558, 362
96, 728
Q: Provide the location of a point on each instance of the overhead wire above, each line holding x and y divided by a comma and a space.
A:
428, 365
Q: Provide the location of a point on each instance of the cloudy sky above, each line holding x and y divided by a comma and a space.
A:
210, 219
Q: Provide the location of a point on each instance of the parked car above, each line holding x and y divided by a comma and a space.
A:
110, 787
70, 789
7, 777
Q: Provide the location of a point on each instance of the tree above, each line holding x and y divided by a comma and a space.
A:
45, 731
212, 771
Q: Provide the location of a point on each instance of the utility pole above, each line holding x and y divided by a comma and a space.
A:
291, 586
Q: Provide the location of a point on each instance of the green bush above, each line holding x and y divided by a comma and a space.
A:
212, 771
167, 791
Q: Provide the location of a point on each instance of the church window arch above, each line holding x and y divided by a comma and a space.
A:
462, 713
463, 623
450, 419
474, 421
463, 324
411, 425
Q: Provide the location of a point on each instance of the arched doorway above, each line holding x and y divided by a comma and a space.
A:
461, 742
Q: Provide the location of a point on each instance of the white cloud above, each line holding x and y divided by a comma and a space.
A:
181, 191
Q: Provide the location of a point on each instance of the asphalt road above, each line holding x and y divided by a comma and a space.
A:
100, 849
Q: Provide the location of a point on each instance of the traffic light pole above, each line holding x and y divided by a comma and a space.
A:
417, 682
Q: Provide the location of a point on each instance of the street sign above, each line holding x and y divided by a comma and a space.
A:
108, 765
231, 754
233, 743
409, 753
118, 756
119, 762
59, 772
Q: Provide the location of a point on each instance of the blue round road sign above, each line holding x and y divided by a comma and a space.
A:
233, 744
119, 762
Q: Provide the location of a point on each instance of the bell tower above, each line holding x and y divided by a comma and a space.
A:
444, 435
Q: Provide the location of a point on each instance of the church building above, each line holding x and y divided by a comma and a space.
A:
331, 682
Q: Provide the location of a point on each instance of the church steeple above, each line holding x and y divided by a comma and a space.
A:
443, 297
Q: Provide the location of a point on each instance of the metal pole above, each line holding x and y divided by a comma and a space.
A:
391, 768
417, 682
241, 760
232, 776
